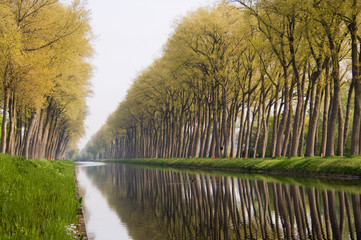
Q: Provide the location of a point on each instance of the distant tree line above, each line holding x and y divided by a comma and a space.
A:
44, 51
247, 78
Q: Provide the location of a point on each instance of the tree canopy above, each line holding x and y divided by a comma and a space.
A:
44, 63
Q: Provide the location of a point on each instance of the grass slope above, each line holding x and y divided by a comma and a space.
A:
335, 166
37, 198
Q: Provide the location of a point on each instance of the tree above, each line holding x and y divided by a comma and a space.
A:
45, 76
232, 69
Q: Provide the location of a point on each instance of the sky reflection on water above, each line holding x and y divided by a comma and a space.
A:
102, 222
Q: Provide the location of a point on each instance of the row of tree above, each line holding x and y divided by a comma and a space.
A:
247, 78
44, 51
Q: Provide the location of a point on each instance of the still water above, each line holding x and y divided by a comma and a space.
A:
132, 202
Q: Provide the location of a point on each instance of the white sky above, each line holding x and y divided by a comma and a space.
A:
130, 34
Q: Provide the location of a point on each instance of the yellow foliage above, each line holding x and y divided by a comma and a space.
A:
44, 52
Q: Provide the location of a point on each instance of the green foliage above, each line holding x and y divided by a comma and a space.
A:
93, 151
37, 198
72, 154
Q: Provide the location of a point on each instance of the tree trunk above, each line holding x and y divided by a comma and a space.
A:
297, 122
265, 137
341, 133
184, 140
347, 118
240, 133
288, 130
18, 136
197, 134
325, 115
5, 120
215, 123
224, 129
29, 134
336, 100
191, 135
248, 131
259, 128
204, 129
281, 130
330, 146
12, 116
300, 95
275, 126
206, 149
310, 145
356, 125
233, 132
39, 135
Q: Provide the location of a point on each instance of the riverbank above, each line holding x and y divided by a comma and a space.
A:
344, 167
37, 199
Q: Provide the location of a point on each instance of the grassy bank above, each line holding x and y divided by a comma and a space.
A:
335, 166
37, 198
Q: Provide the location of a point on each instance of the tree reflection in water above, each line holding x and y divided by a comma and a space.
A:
163, 204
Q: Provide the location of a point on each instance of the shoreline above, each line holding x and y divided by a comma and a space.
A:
270, 172
331, 167
80, 220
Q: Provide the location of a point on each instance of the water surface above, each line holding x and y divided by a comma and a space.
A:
132, 202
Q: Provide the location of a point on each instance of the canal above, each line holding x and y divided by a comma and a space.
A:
133, 202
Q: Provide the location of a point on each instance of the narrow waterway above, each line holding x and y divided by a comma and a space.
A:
132, 202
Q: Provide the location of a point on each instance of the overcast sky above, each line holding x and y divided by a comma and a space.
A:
129, 35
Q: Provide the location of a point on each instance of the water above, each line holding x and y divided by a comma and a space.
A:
130, 202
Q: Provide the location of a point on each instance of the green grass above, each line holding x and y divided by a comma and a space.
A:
332, 166
37, 198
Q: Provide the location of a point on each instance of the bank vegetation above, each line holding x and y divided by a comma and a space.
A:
37, 199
